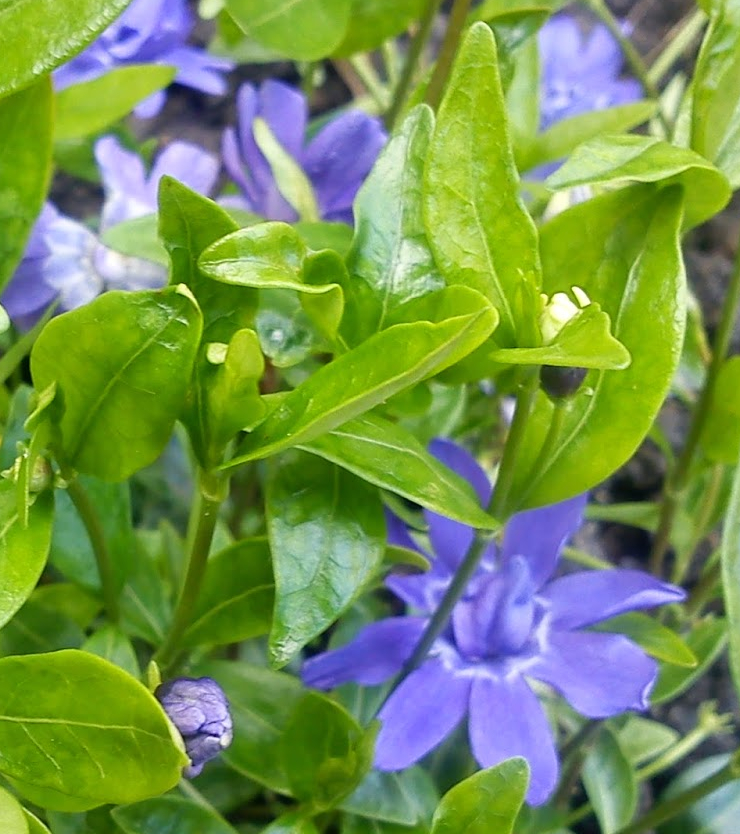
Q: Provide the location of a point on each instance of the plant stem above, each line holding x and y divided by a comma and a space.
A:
362, 65
416, 47
455, 27
677, 480
703, 591
203, 518
678, 40
672, 807
89, 516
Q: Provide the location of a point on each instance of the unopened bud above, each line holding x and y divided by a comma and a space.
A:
559, 383
558, 311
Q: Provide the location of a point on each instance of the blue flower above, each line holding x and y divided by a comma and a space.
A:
336, 161
149, 32
199, 709
514, 625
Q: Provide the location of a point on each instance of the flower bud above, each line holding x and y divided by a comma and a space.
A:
558, 311
199, 710
559, 383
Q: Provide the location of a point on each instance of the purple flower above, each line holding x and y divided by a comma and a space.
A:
336, 161
200, 711
149, 32
579, 72
515, 624
65, 261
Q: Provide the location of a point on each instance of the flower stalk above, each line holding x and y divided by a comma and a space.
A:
453, 35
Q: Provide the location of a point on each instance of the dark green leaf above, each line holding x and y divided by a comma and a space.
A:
327, 536
389, 456
145, 599
12, 818
26, 119
404, 798
643, 740
52, 34
77, 732
477, 225
122, 364
610, 782
372, 22
86, 109
720, 438
110, 643
293, 822
38, 627
170, 814
485, 802
655, 638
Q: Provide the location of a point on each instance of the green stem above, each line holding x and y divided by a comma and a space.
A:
703, 591
419, 41
362, 65
678, 479
678, 40
672, 807
18, 351
89, 516
203, 518
572, 756
455, 27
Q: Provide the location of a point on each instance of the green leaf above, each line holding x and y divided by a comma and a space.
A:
404, 798
237, 596
325, 751
35, 826
38, 627
53, 33
86, 109
110, 643
477, 225
23, 550
390, 252
261, 704
655, 638
645, 159
643, 740
83, 734
304, 30
327, 537
371, 22
137, 238
122, 364
381, 366
25, 139
720, 437
707, 639
170, 813
610, 782
730, 560
292, 822
485, 802
12, 818
389, 456
623, 249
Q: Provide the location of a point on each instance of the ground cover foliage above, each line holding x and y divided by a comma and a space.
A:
304, 436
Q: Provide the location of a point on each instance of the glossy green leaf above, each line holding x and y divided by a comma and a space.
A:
656, 639
390, 252
325, 751
261, 704
35, 826
643, 740
327, 537
137, 238
23, 550
110, 643
381, 366
645, 159
372, 22
478, 228
77, 731
404, 798
170, 813
720, 437
730, 556
86, 109
389, 456
304, 30
610, 782
26, 119
237, 596
707, 639
623, 249
12, 818
52, 34
485, 802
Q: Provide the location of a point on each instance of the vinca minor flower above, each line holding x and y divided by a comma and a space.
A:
200, 711
149, 32
336, 161
514, 625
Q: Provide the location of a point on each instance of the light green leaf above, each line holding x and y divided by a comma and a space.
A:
371, 22
655, 638
137, 238
170, 813
122, 365
35, 826
610, 782
77, 732
720, 437
12, 818
478, 228
643, 740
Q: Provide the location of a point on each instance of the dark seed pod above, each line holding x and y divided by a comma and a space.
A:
558, 383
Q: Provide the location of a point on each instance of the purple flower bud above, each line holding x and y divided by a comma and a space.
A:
200, 711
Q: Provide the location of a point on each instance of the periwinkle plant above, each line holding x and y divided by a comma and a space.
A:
315, 331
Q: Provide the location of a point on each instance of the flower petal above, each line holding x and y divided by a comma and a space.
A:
539, 535
462, 463
506, 719
424, 709
587, 597
598, 674
186, 162
377, 653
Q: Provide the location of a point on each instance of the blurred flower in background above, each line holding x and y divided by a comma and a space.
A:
149, 32
335, 161
515, 624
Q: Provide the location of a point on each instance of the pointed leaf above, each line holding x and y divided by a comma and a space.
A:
170, 813
12, 818
610, 782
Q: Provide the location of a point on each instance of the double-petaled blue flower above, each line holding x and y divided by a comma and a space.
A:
149, 32
515, 625
336, 161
